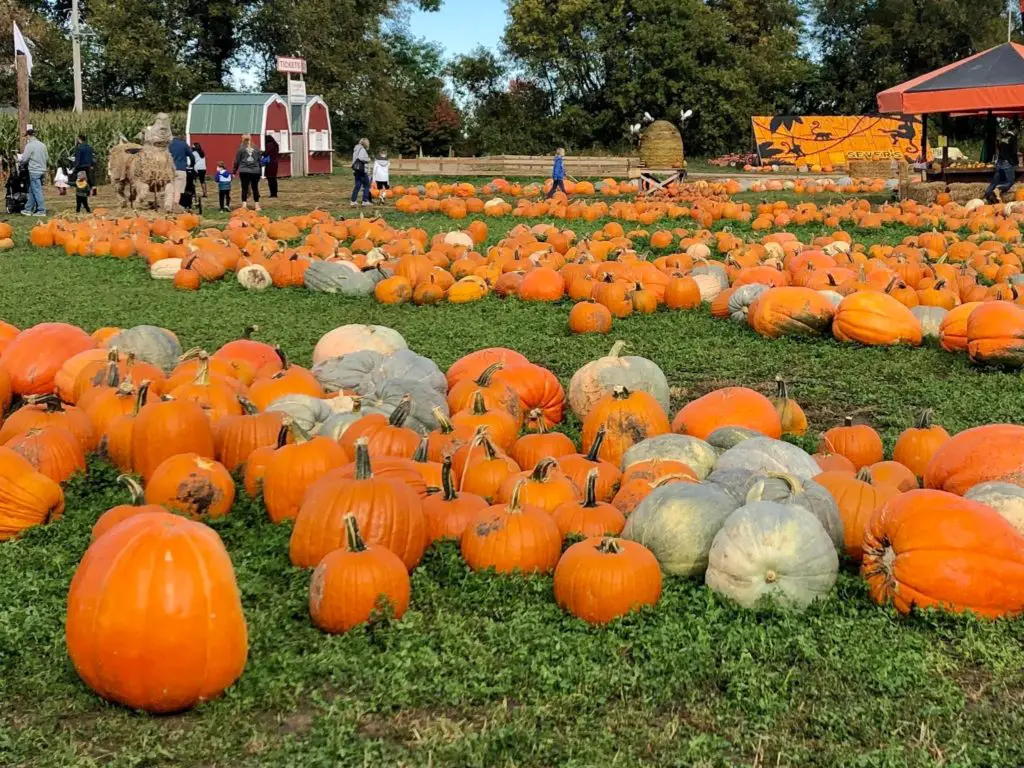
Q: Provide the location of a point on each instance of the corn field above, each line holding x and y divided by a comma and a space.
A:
102, 127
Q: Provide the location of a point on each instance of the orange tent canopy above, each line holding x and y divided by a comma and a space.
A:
990, 80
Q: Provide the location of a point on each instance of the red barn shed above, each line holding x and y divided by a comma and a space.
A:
218, 120
312, 140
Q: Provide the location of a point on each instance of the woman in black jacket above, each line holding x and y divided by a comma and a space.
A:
247, 166
272, 157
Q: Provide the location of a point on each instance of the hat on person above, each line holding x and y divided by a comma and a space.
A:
29, 130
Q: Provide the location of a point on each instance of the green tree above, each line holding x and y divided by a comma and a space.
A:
869, 45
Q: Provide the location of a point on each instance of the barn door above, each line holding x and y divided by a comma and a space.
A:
299, 155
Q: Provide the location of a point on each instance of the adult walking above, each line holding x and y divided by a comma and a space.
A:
35, 158
85, 160
1006, 164
248, 168
558, 174
181, 154
271, 163
199, 165
360, 171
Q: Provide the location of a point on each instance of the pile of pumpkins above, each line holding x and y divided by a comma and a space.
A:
374, 453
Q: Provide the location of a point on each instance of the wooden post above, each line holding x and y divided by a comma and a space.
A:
21, 67
76, 55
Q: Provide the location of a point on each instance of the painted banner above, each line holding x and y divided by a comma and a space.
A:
834, 141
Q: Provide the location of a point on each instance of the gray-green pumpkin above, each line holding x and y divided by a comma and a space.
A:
692, 451
425, 399
364, 372
599, 377
774, 551
742, 298
150, 344
724, 438
1005, 498
765, 455
930, 318
678, 522
334, 277
308, 413
815, 498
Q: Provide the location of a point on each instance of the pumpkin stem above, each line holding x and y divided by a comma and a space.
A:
141, 397
283, 432
421, 451
783, 388
756, 493
52, 402
479, 406
674, 478
191, 354
514, 506
543, 469
250, 330
865, 476
299, 435
443, 424
590, 494
283, 357
892, 284
353, 539
536, 416
621, 392
609, 546
203, 377
848, 421
364, 470
401, 412
447, 481
793, 483
484, 379
134, 488
924, 419
595, 447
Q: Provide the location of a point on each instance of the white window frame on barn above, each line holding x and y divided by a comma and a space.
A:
284, 140
319, 141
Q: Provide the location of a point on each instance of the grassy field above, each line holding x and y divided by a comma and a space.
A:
486, 671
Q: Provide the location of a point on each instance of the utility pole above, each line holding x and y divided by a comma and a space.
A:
21, 68
76, 54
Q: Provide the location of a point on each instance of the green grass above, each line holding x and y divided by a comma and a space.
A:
486, 671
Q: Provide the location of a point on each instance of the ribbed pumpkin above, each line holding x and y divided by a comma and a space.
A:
972, 561
482, 466
534, 446
154, 616
166, 428
916, 446
876, 319
291, 469
33, 358
601, 579
628, 417
577, 467
53, 451
27, 497
191, 485
447, 513
858, 499
858, 442
41, 411
545, 486
512, 537
236, 437
589, 517
355, 581
389, 513
791, 415
501, 425
728, 407
994, 452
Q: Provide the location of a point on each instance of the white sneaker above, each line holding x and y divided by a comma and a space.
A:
29, 213
353, 204
367, 205
41, 214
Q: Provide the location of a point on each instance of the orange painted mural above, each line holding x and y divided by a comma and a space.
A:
834, 141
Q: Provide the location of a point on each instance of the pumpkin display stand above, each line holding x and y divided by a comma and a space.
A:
661, 157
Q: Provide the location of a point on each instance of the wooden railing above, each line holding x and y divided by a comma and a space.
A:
513, 166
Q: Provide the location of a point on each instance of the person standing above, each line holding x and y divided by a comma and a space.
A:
199, 165
223, 179
35, 158
181, 154
248, 168
82, 188
271, 161
1006, 164
360, 171
85, 160
382, 175
558, 174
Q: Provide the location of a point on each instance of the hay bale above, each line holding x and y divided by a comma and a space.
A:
925, 192
158, 134
962, 192
662, 146
120, 160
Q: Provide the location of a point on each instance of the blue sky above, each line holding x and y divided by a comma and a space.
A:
461, 25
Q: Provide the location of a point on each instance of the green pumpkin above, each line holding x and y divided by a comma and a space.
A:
332, 277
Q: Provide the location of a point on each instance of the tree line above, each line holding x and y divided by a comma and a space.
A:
572, 74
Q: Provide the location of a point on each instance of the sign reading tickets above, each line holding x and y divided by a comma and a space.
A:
834, 141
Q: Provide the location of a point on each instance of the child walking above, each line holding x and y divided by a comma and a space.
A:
223, 179
381, 175
60, 181
82, 191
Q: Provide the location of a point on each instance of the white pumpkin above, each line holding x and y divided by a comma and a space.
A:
494, 205
930, 318
459, 239
970, 205
254, 277
709, 287
353, 338
692, 451
599, 377
1005, 498
835, 298
815, 498
742, 298
678, 523
765, 455
837, 247
165, 269
698, 251
775, 551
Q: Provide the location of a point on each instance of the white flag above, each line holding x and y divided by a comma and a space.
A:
21, 46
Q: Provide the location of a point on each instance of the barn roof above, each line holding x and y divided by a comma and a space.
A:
228, 112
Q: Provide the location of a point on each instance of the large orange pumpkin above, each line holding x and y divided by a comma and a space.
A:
154, 615
933, 549
876, 319
27, 497
980, 455
34, 357
728, 407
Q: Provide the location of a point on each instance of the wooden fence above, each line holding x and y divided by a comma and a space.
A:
512, 166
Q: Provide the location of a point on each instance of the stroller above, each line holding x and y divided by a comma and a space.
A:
16, 188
